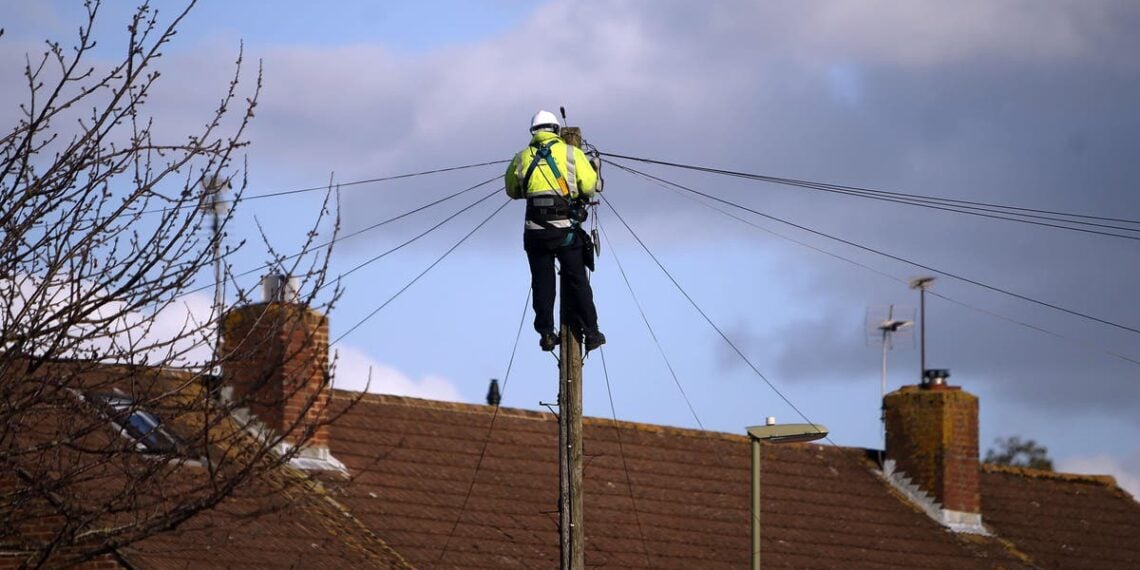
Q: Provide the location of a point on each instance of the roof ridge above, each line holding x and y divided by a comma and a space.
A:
1105, 480
532, 414
411, 401
522, 413
87, 365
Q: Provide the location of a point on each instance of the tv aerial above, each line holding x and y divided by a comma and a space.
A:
883, 325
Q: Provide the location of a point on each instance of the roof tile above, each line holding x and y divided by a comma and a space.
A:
683, 503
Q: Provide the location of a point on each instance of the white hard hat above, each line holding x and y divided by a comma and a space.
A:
544, 120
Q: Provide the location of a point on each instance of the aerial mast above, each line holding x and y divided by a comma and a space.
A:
922, 284
214, 203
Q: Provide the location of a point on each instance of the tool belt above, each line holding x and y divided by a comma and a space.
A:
547, 208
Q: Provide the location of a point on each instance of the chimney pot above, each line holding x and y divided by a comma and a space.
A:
935, 377
279, 288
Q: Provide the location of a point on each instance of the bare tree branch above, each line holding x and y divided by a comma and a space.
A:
113, 425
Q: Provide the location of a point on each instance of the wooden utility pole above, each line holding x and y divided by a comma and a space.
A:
570, 437
570, 430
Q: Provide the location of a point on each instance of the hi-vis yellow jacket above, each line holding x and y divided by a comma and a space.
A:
577, 175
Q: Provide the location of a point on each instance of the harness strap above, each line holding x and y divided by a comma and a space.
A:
571, 170
544, 211
543, 152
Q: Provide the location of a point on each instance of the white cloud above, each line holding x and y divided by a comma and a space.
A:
354, 368
1126, 472
179, 334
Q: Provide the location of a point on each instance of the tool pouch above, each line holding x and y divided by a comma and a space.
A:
578, 212
587, 248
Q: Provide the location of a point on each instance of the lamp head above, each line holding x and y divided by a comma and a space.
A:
788, 433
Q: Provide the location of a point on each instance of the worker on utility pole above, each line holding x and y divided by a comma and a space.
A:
557, 181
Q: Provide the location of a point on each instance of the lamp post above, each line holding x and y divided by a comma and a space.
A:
772, 433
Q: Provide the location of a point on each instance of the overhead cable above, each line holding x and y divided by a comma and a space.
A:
624, 464
946, 273
848, 453
487, 437
777, 179
709, 320
652, 333
982, 209
329, 187
343, 237
1036, 328
421, 274
373, 180
454, 215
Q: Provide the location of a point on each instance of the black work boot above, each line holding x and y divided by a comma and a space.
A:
549, 340
594, 340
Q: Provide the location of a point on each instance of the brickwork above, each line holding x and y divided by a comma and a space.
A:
277, 362
932, 435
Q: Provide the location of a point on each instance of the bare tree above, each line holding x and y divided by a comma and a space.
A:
102, 235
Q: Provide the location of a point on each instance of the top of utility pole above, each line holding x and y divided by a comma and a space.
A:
572, 136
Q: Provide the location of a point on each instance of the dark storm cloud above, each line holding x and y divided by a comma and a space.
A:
1018, 102
1047, 124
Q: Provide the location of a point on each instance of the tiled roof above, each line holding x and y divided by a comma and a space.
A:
285, 521
1063, 521
277, 518
685, 505
655, 497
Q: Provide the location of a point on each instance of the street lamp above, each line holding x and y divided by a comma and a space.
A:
772, 433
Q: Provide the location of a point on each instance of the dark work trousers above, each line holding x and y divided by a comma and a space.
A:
542, 247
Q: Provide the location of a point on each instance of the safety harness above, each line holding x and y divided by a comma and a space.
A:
554, 210
542, 151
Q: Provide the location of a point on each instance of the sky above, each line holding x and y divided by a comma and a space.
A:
1024, 103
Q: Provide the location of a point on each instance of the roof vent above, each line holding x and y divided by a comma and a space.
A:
493, 394
278, 288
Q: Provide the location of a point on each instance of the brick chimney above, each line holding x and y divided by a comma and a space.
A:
932, 438
277, 362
